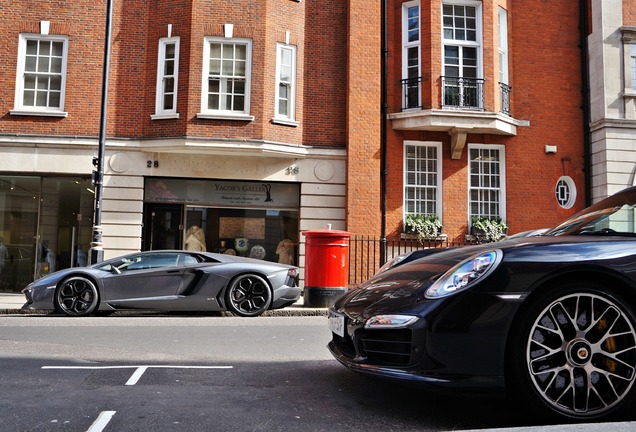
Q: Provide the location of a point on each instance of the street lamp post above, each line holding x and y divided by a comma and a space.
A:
96, 253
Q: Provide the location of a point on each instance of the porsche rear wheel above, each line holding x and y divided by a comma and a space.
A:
576, 356
248, 295
76, 296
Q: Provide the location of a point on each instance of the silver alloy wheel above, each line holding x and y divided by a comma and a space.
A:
581, 354
249, 295
77, 296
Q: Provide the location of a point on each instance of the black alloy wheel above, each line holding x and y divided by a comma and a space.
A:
248, 295
577, 353
76, 296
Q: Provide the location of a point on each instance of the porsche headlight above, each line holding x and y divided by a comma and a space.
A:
389, 321
465, 274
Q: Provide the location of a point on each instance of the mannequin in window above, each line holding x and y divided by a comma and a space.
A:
195, 239
285, 252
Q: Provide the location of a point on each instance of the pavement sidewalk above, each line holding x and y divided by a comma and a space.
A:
11, 300
11, 304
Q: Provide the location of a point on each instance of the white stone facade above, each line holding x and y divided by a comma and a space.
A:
612, 99
320, 172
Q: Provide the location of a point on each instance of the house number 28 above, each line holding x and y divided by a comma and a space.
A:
152, 164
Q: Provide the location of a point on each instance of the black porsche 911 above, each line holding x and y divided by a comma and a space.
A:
551, 319
167, 280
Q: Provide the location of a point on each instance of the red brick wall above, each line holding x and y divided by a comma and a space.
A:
629, 13
83, 22
325, 73
547, 92
160, 15
131, 91
317, 29
363, 118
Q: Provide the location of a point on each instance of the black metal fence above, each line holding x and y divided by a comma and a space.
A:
505, 90
411, 93
365, 252
462, 92
456, 93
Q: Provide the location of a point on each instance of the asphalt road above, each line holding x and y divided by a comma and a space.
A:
194, 373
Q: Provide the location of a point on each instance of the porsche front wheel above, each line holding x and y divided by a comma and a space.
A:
248, 295
76, 296
577, 353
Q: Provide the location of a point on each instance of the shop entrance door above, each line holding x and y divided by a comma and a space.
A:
163, 226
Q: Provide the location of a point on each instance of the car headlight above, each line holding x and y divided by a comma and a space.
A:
465, 274
389, 321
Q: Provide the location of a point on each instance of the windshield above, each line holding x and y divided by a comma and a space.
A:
612, 216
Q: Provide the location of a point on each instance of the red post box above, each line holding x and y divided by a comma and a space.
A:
326, 266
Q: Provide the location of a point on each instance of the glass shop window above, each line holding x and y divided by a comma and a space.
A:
269, 235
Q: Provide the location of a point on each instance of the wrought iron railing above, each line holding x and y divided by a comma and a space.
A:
460, 92
505, 90
365, 252
411, 93
456, 93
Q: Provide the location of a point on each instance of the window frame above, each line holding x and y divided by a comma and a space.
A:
628, 40
19, 107
501, 149
288, 118
437, 175
502, 23
407, 46
463, 45
160, 111
565, 192
224, 114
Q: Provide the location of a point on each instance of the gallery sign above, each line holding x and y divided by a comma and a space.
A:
223, 193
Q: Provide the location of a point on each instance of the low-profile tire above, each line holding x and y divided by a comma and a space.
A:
248, 295
76, 296
574, 354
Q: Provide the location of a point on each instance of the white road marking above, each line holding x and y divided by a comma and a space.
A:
102, 421
135, 376
139, 369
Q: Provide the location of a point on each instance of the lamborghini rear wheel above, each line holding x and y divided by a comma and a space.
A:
248, 295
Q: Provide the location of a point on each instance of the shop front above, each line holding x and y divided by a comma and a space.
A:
45, 225
247, 218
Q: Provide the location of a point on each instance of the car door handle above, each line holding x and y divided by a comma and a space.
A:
173, 271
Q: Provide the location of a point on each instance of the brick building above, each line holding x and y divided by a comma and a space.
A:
485, 108
228, 116
259, 119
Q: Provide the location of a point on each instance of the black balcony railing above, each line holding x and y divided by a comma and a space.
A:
411, 93
457, 92
462, 92
505, 90
365, 252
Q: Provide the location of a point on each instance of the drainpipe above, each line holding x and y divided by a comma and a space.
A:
383, 131
587, 139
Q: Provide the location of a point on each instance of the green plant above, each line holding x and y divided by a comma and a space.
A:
425, 226
493, 229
